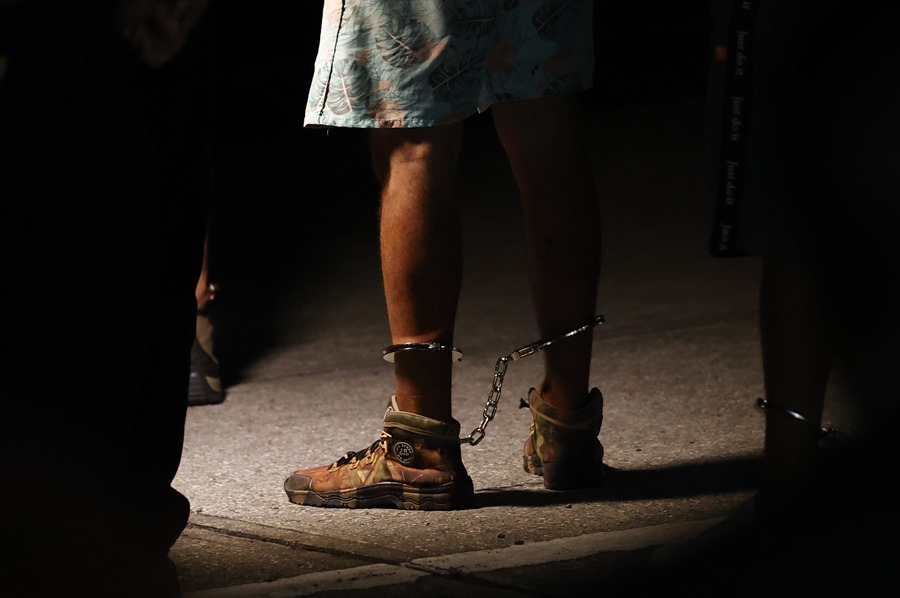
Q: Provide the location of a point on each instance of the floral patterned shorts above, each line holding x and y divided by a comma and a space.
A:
421, 63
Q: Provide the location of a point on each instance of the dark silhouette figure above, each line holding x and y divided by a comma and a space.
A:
104, 192
807, 182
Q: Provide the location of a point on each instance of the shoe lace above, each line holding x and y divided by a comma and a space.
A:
367, 455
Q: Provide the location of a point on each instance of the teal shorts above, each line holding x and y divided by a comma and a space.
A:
422, 63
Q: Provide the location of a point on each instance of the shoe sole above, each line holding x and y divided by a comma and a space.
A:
388, 495
200, 392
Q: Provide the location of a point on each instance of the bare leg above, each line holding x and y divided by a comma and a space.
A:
797, 355
203, 292
550, 164
417, 462
421, 257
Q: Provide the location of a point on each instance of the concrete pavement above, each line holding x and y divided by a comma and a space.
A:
677, 361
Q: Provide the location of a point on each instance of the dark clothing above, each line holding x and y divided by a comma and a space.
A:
104, 191
811, 134
804, 112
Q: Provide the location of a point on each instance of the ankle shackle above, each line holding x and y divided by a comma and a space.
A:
433, 346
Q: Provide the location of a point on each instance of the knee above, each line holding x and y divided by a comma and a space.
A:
430, 149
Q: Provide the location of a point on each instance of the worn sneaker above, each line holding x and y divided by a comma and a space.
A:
416, 464
563, 446
205, 387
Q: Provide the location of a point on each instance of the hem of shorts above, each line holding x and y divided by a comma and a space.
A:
401, 123
318, 122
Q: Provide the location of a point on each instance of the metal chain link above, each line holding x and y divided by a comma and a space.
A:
490, 408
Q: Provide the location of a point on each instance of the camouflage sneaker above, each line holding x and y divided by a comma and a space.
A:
416, 464
563, 446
